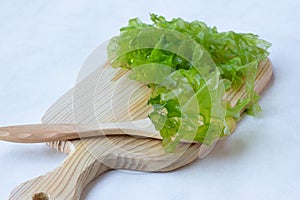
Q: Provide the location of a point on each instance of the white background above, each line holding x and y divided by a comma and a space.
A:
44, 43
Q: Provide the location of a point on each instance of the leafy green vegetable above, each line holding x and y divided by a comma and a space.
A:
193, 65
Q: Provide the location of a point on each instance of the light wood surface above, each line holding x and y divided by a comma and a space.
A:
39, 133
88, 158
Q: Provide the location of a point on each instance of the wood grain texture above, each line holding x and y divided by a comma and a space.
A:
88, 158
39, 133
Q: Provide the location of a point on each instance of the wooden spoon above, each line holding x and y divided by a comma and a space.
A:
38, 133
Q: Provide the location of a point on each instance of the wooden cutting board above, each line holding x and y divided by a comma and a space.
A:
89, 158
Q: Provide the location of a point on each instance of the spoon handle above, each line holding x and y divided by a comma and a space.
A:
37, 133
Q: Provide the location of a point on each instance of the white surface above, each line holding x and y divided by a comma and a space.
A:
43, 44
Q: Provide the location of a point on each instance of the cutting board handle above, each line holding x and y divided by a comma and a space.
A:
64, 183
